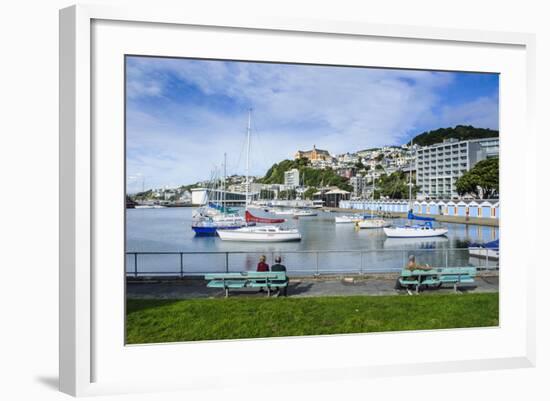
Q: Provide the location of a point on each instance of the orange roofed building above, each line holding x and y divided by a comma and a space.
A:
314, 154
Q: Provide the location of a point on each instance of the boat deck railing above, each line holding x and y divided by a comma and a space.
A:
298, 263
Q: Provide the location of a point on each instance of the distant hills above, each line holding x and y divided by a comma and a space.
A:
460, 132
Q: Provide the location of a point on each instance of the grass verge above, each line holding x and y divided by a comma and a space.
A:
155, 321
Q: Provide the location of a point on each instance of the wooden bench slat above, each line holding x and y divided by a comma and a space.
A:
226, 284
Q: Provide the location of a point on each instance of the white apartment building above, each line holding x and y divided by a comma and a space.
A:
359, 184
292, 178
439, 166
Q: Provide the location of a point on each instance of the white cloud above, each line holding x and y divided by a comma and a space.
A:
481, 112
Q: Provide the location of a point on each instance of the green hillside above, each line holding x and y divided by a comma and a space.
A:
308, 175
460, 132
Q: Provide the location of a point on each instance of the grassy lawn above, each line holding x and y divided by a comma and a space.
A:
154, 321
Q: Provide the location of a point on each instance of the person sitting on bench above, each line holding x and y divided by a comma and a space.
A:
262, 266
278, 267
412, 265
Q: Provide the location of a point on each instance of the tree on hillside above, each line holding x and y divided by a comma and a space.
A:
484, 177
309, 193
309, 176
460, 132
394, 186
144, 195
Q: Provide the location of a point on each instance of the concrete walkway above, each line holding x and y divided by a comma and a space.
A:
306, 287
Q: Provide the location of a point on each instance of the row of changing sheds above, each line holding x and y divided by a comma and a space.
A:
474, 208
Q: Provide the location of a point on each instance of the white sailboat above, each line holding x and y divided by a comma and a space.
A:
418, 230
348, 219
489, 251
415, 231
283, 212
372, 222
261, 234
304, 212
258, 233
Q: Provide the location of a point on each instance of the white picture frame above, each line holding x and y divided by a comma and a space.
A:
84, 350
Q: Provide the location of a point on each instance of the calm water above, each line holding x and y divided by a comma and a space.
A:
325, 247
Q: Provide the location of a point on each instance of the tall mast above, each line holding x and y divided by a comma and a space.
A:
224, 180
410, 178
372, 204
247, 155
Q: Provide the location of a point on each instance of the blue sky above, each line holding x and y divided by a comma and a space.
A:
183, 114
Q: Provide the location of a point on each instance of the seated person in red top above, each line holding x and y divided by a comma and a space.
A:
262, 266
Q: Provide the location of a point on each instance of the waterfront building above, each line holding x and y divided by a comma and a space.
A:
439, 166
433, 208
359, 184
185, 196
201, 196
314, 154
424, 207
473, 209
451, 208
332, 196
292, 178
461, 208
442, 206
489, 209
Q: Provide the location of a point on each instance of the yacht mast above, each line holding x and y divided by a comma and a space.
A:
410, 177
372, 204
247, 155
224, 181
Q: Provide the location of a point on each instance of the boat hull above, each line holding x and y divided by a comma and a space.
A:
231, 235
370, 224
347, 219
210, 231
484, 253
304, 214
414, 232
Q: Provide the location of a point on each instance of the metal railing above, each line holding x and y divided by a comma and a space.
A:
315, 263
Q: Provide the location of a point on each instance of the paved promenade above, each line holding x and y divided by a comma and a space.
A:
306, 287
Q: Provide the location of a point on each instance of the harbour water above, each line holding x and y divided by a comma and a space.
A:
325, 247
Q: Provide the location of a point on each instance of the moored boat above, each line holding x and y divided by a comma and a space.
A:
305, 212
415, 231
282, 212
349, 219
260, 234
251, 218
372, 223
489, 250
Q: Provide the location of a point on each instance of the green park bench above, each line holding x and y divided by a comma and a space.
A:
232, 281
435, 278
